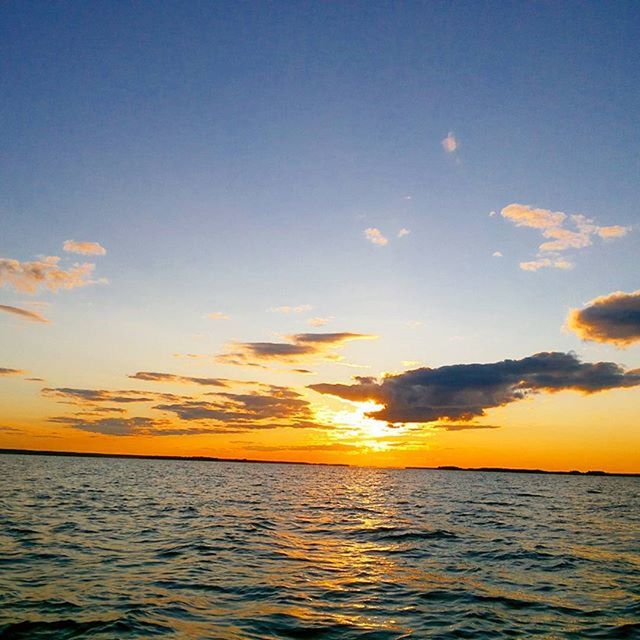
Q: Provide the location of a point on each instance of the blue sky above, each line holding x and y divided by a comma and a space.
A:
230, 155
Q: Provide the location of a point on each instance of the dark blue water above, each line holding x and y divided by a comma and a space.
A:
112, 548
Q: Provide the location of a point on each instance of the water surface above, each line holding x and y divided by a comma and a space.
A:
120, 548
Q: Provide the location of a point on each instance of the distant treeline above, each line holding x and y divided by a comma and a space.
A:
136, 456
508, 470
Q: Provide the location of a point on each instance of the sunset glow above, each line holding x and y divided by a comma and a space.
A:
338, 246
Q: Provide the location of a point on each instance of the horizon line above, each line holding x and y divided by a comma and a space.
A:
141, 456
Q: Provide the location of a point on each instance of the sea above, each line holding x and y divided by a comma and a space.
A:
129, 548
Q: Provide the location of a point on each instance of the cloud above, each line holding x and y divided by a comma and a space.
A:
450, 144
542, 263
34, 379
525, 216
218, 315
465, 426
24, 313
333, 446
85, 248
4, 371
375, 236
153, 376
300, 347
614, 318
28, 277
301, 308
497, 254
403, 232
90, 396
268, 407
562, 233
319, 321
133, 426
464, 391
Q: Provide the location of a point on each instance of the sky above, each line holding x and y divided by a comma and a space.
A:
375, 233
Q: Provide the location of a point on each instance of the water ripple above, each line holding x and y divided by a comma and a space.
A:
102, 549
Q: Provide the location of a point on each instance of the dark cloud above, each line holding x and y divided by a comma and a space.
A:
103, 395
614, 318
299, 347
465, 426
4, 371
110, 426
464, 391
34, 379
153, 376
135, 426
282, 407
24, 313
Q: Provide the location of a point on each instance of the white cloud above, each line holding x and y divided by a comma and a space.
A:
497, 254
375, 236
403, 232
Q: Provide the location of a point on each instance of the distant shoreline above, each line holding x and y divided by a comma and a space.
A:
139, 456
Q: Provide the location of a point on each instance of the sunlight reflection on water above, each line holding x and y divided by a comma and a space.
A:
104, 548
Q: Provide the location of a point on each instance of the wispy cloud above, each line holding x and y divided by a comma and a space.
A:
450, 143
542, 263
29, 277
301, 308
462, 392
403, 232
217, 315
269, 407
614, 318
497, 254
24, 313
298, 348
84, 248
153, 376
562, 232
90, 396
5, 371
374, 235
319, 321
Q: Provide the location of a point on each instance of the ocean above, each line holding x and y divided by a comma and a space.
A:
128, 548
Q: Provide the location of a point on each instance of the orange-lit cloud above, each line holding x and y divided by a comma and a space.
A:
464, 391
217, 315
29, 277
84, 248
614, 318
450, 143
541, 263
319, 321
374, 235
4, 371
559, 237
32, 316
300, 347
